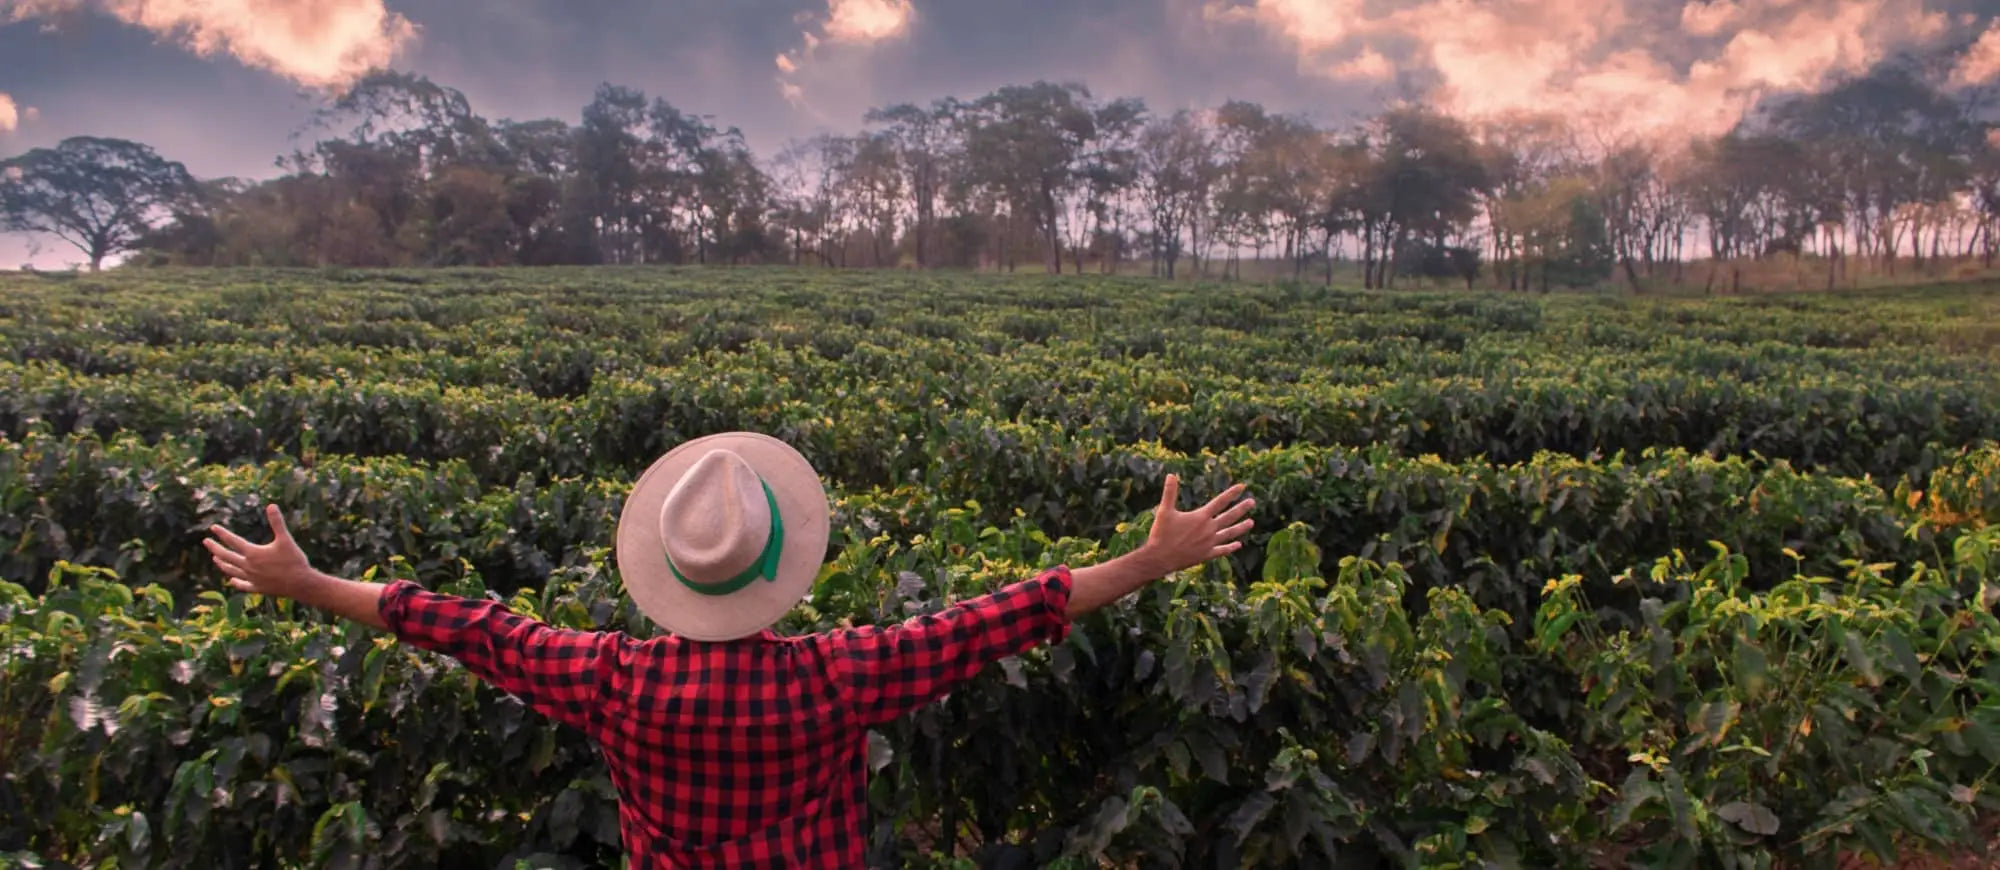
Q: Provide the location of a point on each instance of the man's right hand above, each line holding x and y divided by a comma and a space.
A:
1179, 540
1183, 539
278, 569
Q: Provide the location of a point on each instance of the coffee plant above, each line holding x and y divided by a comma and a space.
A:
1538, 581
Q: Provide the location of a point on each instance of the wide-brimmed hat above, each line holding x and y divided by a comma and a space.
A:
723, 535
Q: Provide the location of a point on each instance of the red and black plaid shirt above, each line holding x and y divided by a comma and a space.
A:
749, 753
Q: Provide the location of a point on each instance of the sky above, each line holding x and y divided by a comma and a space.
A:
223, 85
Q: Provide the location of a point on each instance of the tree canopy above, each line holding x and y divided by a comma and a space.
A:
101, 195
1892, 165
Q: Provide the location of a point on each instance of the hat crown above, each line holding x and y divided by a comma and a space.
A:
716, 520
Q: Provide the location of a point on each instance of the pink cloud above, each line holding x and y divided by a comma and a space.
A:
1599, 59
848, 23
1982, 62
318, 43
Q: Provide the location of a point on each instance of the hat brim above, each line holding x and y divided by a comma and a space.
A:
642, 559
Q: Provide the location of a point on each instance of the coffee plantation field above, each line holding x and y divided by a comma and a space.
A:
1538, 581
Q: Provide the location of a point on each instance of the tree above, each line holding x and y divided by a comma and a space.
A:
1892, 138
1985, 182
1524, 152
102, 195
1024, 142
1109, 171
607, 173
543, 202
924, 144
806, 181
873, 179
1425, 182
1175, 167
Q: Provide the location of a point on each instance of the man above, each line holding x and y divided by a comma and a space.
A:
731, 746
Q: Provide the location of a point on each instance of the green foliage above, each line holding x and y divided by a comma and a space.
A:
1584, 256
1826, 712
1293, 718
1470, 630
98, 194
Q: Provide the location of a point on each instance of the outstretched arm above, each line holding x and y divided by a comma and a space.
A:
890, 670
556, 671
280, 569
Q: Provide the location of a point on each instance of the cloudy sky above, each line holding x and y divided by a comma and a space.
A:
221, 85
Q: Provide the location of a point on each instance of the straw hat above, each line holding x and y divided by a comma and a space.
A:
723, 535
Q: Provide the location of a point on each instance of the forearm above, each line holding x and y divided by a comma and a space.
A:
354, 599
1100, 584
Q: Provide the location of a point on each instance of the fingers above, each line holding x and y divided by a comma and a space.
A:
1224, 549
234, 540
1236, 531
1214, 505
277, 520
1237, 512
242, 586
223, 555
1170, 495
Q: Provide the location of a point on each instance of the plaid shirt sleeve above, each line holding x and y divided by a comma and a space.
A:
556, 672
889, 671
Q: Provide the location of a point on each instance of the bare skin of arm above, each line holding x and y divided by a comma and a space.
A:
1178, 540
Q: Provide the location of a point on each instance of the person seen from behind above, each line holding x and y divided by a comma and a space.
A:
729, 745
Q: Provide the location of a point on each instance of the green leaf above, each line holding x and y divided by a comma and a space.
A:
1213, 764
1755, 818
1713, 723
1680, 805
1110, 819
1249, 814
1257, 683
1752, 669
1901, 656
544, 751
1878, 839
1553, 632
564, 815
1298, 817
1859, 658
1359, 745
1639, 789
1173, 821
1177, 758
1983, 739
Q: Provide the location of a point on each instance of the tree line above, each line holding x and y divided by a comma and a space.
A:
1880, 167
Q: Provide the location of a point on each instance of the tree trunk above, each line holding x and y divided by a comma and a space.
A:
1050, 233
1368, 256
